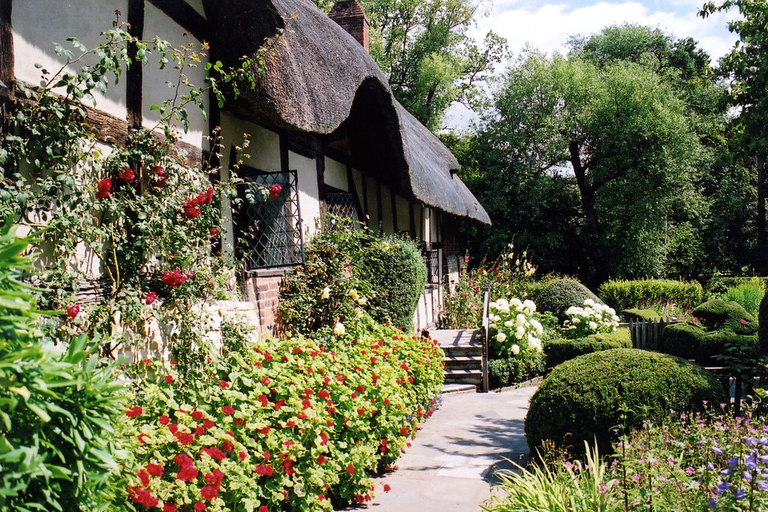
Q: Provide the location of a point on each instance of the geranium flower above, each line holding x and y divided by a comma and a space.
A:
187, 473
350, 469
134, 411
184, 438
200, 506
168, 378
214, 232
209, 493
191, 212
150, 298
103, 187
228, 410
223, 384
169, 507
275, 190
163, 420
154, 469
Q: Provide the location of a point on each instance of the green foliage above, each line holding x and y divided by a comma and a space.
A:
347, 271
651, 293
58, 405
585, 398
394, 271
747, 293
513, 370
562, 294
763, 325
716, 314
641, 314
290, 425
559, 351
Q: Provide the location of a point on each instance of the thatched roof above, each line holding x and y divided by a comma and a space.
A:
318, 79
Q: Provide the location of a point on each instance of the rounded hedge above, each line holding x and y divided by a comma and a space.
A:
762, 318
513, 370
692, 342
559, 351
582, 399
562, 294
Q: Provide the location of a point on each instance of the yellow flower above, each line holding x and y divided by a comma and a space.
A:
339, 329
326, 293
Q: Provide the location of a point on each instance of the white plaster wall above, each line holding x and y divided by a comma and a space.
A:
386, 211
434, 226
336, 174
309, 195
403, 214
160, 85
373, 205
37, 24
427, 224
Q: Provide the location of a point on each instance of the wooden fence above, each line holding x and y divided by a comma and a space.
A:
647, 334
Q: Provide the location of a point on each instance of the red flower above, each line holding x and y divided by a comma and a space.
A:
164, 420
155, 469
173, 428
103, 187
209, 492
160, 177
274, 191
127, 175
214, 452
228, 410
169, 507
323, 394
134, 411
323, 438
223, 384
208, 424
187, 473
228, 446
184, 438
191, 212
168, 378
143, 477
263, 508
387, 488
200, 506
73, 310
350, 469
404, 431
198, 415
264, 469
265, 381
175, 278
359, 498
321, 459
183, 460
214, 232
150, 298
264, 431
242, 455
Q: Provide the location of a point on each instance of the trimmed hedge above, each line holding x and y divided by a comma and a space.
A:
762, 317
583, 399
717, 314
562, 294
640, 314
505, 372
559, 351
648, 292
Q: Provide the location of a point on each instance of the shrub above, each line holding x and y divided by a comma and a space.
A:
747, 293
561, 295
651, 293
514, 328
505, 372
641, 314
591, 319
717, 314
58, 404
584, 399
763, 325
559, 351
289, 424
394, 271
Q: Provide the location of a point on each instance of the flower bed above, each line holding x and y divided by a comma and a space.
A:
284, 425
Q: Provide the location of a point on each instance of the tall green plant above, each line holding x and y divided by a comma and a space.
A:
57, 405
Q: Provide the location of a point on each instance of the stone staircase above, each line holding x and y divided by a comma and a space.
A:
463, 356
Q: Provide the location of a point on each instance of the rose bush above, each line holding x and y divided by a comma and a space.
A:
280, 424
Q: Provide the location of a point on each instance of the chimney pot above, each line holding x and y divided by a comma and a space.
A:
349, 15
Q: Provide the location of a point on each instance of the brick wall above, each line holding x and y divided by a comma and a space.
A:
349, 15
263, 290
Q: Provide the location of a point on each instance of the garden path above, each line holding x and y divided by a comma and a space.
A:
450, 465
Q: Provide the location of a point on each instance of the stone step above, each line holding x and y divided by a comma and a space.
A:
463, 352
463, 376
459, 388
463, 363
456, 337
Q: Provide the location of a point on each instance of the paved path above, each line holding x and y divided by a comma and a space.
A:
450, 464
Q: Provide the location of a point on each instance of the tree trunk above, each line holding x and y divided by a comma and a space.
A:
585, 190
760, 262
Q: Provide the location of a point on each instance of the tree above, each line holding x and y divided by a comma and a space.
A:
616, 120
424, 50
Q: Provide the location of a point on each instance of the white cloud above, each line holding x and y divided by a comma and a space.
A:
548, 26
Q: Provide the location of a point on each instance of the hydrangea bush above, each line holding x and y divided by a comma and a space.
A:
282, 425
515, 327
593, 318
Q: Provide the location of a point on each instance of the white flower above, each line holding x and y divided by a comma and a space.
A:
593, 325
502, 304
515, 349
573, 310
493, 305
509, 323
530, 306
520, 320
362, 301
339, 329
589, 302
501, 337
326, 293
537, 326
520, 332
354, 294
516, 303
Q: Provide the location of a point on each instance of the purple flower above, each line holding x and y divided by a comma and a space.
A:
690, 471
733, 461
717, 450
762, 485
722, 487
712, 503
740, 495
743, 322
747, 476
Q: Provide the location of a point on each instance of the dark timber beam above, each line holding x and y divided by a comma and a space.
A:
6, 43
185, 15
135, 75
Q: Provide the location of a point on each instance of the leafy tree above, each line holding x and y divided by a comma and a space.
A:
423, 48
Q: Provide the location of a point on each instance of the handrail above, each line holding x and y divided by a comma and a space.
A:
486, 334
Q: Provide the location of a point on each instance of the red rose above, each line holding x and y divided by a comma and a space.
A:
127, 175
274, 191
191, 212
175, 278
103, 187
150, 298
73, 310
160, 177
215, 232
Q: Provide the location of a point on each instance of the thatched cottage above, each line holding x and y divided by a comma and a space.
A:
322, 122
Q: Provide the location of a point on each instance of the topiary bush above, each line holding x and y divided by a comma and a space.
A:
584, 399
512, 370
562, 294
394, 271
559, 351
641, 314
748, 293
723, 324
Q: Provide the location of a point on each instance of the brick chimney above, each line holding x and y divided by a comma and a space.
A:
349, 15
